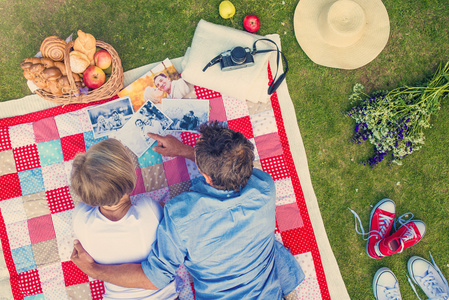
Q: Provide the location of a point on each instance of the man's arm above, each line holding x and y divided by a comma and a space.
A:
127, 275
171, 146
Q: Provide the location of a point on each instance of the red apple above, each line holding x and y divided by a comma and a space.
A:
102, 59
251, 23
94, 77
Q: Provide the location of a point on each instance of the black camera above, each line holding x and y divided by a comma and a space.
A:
236, 58
242, 57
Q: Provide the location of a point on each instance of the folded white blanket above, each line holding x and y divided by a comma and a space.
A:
210, 40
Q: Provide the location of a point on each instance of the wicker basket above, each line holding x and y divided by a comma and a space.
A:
107, 90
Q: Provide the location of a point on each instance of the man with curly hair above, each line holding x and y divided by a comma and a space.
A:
222, 230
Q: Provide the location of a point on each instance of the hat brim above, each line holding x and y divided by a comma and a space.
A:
364, 50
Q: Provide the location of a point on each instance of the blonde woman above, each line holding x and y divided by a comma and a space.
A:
110, 227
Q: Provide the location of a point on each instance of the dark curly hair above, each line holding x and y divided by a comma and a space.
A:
225, 155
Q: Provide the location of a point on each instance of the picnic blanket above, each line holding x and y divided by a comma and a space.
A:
38, 141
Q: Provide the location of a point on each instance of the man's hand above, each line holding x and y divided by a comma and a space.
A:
83, 260
171, 146
128, 275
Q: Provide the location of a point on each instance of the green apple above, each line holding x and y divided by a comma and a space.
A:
226, 9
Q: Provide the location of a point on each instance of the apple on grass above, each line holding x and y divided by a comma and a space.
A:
102, 59
251, 23
94, 77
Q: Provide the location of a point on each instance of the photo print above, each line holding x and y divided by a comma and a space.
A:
187, 114
162, 81
106, 119
147, 119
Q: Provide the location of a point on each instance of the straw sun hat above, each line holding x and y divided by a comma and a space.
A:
345, 34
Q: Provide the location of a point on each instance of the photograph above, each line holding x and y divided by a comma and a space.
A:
187, 114
162, 81
108, 118
147, 119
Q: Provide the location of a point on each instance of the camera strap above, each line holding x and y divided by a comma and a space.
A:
276, 82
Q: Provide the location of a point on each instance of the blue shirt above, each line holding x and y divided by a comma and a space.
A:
226, 241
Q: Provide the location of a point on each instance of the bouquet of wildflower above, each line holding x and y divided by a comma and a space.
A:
394, 121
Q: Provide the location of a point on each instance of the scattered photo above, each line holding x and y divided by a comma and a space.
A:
147, 119
163, 81
108, 118
187, 114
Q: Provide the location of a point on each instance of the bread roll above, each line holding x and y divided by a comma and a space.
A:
86, 43
53, 47
47, 62
52, 73
61, 67
78, 62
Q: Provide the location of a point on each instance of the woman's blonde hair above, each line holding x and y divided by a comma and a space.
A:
104, 174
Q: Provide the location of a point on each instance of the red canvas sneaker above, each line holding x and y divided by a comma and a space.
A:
380, 222
406, 236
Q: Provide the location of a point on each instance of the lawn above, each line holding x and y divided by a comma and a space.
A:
148, 31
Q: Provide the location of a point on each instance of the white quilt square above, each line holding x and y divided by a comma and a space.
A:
18, 234
235, 108
68, 124
263, 123
52, 277
22, 135
13, 210
54, 176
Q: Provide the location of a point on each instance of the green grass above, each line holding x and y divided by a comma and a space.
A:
149, 31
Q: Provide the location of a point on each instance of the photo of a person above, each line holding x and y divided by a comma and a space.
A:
153, 94
103, 125
161, 82
106, 119
187, 114
174, 89
189, 121
116, 120
148, 119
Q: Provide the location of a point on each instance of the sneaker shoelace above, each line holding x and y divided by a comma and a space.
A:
428, 281
392, 293
402, 219
384, 223
409, 234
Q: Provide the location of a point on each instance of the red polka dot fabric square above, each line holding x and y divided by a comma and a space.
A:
26, 157
29, 283
242, 125
59, 200
10, 186
203, 93
268, 145
176, 171
45, 130
288, 217
96, 289
189, 138
72, 145
72, 274
41, 229
275, 166
5, 142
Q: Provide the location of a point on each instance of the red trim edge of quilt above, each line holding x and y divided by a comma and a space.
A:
297, 188
13, 276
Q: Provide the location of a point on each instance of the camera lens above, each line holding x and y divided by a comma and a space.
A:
238, 55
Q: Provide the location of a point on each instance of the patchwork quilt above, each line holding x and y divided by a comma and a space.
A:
36, 200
